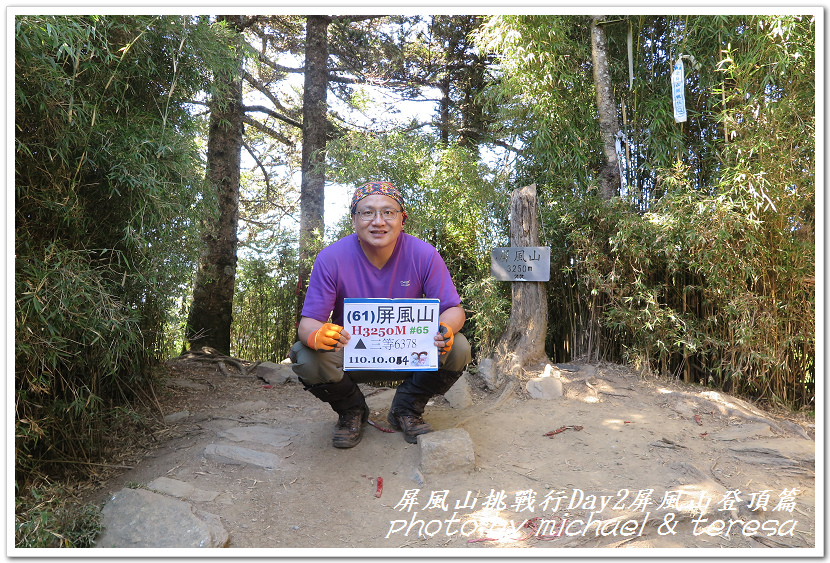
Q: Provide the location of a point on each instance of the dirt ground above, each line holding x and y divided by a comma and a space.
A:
640, 463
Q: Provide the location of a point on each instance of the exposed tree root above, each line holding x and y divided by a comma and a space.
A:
731, 406
208, 354
506, 392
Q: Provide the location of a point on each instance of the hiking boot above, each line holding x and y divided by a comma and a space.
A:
345, 398
412, 425
349, 429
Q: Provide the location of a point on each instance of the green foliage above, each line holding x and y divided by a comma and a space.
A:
545, 98
487, 303
264, 316
453, 201
704, 267
460, 207
66, 357
107, 185
45, 519
692, 288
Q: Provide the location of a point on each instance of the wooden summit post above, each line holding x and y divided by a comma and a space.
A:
523, 342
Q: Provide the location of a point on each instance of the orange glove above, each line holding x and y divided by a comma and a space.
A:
444, 329
325, 338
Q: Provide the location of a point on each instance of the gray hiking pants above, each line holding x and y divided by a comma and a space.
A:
315, 367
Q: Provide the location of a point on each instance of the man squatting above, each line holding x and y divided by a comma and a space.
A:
378, 261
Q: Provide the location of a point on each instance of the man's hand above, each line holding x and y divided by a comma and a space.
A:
325, 338
444, 339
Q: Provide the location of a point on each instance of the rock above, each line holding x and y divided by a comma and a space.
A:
267, 367
551, 371
176, 417
459, 394
235, 455
276, 374
288, 367
248, 407
272, 373
182, 490
139, 518
448, 450
487, 372
546, 388
274, 437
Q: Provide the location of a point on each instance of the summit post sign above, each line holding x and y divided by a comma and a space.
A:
391, 334
520, 263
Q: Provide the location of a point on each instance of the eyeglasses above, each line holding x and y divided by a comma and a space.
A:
385, 214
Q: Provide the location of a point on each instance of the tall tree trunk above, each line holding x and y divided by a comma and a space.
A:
472, 112
606, 109
312, 195
523, 342
448, 36
445, 108
210, 316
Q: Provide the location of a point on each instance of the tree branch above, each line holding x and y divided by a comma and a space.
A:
356, 18
249, 22
260, 87
267, 130
487, 137
261, 167
504, 145
268, 224
382, 82
279, 68
275, 115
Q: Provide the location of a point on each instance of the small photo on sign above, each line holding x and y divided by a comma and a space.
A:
391, 334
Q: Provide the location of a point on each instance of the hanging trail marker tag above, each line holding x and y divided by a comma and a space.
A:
678, 78
391, 334
520, 263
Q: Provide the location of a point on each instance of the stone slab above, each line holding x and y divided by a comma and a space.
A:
182, 490
176, 417
274, 437
236, 455
248, 407
135, 518
545, 388
445, 451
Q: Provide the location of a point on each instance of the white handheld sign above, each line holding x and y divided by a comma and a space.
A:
391, 334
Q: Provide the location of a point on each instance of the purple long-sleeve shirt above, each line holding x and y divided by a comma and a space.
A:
342, 270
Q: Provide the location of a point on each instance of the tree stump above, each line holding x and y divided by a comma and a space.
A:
523, 342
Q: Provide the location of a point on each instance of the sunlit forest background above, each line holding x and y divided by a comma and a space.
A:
168, 167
